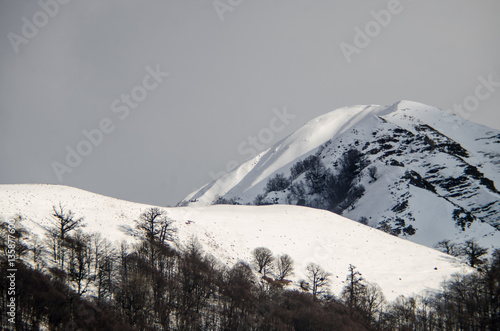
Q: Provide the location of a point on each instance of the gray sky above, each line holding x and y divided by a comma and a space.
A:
229, 67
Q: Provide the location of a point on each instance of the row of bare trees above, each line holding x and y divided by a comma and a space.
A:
473, 253
468, 301
82, 281
281, 267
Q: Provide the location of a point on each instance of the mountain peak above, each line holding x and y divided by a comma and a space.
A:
411, 156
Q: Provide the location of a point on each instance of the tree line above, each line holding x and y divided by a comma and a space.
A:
73, 280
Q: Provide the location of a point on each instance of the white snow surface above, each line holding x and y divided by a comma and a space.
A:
230, 233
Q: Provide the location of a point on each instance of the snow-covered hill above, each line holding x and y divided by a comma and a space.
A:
230, 233
435, 173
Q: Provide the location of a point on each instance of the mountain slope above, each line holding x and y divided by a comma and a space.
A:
250, 177
230, 233
434, 173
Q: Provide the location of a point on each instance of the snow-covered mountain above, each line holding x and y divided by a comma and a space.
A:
419, 172
230, 233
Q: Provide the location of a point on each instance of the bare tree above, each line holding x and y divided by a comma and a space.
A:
156, 228
105, 264
13, 231
354, 289
448, 247
284, 266
263, 259
372, 300
318, 277
64, 222
37, 250
79, 258
474, 253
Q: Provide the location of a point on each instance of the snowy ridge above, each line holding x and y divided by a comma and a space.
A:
230, 233
252, 174
424, 157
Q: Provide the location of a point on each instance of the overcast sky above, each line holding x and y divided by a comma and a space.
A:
230, 63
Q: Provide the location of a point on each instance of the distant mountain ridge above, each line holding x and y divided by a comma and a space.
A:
422, 173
